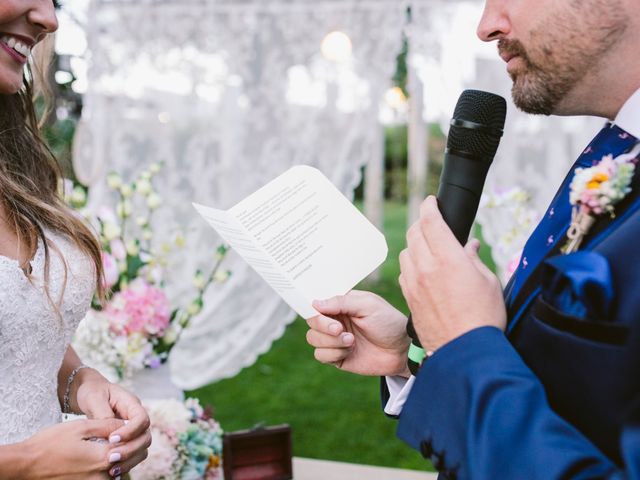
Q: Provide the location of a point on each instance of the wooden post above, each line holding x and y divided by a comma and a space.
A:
418, 136
374, 191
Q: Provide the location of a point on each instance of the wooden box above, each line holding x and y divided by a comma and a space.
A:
259, 454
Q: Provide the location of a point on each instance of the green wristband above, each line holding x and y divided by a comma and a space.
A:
416, 354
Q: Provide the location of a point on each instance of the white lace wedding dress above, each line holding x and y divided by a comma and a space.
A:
34, 337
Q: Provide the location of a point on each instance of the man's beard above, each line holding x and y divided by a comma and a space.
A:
574, 42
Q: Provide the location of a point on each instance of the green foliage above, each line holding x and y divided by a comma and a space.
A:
400, 77
334, 415
396, 160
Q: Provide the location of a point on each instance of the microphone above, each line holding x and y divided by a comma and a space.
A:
476, 129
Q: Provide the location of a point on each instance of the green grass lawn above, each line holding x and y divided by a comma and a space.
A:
333, 415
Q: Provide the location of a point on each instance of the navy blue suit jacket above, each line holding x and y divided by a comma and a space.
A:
558, 395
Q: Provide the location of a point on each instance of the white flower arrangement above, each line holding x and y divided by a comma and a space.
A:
138, 327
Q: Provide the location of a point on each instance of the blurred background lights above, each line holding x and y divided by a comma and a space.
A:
63, 77
337, 47
395, 98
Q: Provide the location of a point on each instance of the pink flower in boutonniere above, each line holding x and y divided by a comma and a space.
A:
596, 191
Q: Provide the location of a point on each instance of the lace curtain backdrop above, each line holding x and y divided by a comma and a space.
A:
228, 94
535, 152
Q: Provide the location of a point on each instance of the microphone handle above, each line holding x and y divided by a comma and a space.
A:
459, 192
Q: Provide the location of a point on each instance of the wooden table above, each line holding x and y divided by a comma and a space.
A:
310, 469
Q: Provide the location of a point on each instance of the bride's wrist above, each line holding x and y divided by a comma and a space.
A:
83, 375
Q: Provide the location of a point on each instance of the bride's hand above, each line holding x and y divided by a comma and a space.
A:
67, 451
98, 398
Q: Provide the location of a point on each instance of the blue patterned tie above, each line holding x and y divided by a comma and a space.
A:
611, 140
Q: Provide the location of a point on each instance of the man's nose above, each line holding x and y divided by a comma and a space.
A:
494, 23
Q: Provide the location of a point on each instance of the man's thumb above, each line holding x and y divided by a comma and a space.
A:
471, 248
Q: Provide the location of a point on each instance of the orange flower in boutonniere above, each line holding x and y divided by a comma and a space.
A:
596, 191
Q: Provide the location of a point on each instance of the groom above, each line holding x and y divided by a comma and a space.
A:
545, 383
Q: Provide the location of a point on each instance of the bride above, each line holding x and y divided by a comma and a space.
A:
50, 266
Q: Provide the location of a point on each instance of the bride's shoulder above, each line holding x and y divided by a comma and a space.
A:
79, 265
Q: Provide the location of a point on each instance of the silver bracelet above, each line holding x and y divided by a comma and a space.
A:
66, 407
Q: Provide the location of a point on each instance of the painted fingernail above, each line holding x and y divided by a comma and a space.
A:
114, 457
347, 339
115, 439
116, 472
334, 328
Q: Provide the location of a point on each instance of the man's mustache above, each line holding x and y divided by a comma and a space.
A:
513, 48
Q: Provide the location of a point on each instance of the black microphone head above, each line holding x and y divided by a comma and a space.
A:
477, 125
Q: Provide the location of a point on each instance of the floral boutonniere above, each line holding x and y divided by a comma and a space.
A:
595, 191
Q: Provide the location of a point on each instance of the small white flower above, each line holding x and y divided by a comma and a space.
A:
124, 209
170, 336
199, 281
154, 201
180, 241
114, 181
126, 191
143, 187
221, 276
154, 168
194, 308
169, 414
111, 231
78, 196
132, 248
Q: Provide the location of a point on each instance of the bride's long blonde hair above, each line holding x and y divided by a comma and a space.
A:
30, 175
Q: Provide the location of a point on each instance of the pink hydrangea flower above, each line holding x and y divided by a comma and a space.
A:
139, 308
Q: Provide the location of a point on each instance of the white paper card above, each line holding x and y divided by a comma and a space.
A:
303, 236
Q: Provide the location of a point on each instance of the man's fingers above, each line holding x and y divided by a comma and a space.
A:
437, 233
471, 249
417, 246
408, 277
341, 305
322, 340
325, 325
331, 355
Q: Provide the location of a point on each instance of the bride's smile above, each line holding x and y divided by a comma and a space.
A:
22, 25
